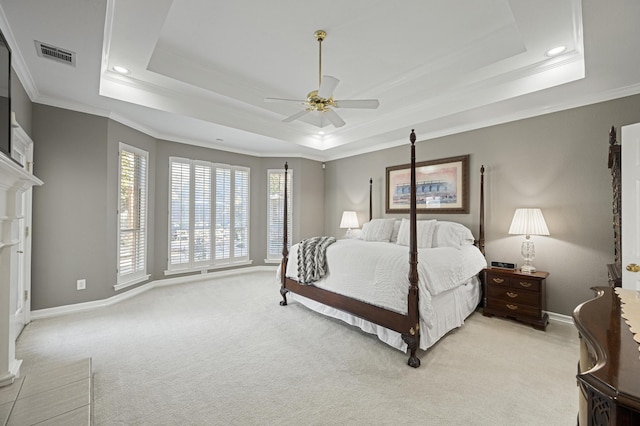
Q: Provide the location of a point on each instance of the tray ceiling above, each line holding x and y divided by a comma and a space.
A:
200, 70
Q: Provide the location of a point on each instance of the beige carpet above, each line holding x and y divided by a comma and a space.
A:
224, 352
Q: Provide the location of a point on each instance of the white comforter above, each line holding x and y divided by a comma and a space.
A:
377, 273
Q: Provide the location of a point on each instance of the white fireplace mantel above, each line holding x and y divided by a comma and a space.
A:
14, 180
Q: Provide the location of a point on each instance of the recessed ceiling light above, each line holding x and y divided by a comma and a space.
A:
556, 51
121, 70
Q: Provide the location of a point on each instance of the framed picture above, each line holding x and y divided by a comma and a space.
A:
442, 186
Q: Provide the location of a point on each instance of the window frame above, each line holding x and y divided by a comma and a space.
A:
274, 257
214, 261
139, 275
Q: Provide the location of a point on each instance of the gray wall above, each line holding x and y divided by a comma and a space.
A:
20, 103
308, 196
557, 162
70, 211
74, 218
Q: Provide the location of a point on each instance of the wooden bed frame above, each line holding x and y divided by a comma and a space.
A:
407, 325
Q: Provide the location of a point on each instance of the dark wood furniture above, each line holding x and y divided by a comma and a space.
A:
407, 325
609, 366
615, 165
516, 295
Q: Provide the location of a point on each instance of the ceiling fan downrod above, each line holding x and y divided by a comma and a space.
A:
320, 35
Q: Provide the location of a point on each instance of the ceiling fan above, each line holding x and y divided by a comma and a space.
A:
321, 100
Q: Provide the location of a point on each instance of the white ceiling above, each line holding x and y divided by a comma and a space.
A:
201, 68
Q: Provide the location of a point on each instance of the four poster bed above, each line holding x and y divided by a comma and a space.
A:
366, 282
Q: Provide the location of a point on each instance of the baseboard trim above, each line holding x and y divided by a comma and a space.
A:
565, 319
78, 307
10, 376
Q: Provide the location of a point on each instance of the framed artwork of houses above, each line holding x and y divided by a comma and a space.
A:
442, 186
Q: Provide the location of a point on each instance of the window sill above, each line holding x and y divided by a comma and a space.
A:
205, 269
131, 282
273, 261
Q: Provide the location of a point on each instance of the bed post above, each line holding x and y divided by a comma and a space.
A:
412, 336
370, 199
481, 236
285, 239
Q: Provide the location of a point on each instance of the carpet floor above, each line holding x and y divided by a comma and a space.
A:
223, 352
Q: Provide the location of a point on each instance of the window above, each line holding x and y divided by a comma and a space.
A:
132, 216
275, 212
209, 214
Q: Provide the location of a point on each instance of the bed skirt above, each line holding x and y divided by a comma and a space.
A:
450, 309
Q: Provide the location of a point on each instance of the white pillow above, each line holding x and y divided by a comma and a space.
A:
424, 233
377, 230
452, 234
396, 228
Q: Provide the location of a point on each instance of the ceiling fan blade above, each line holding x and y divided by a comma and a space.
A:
327, 86
334, 118
295, 116
359, 103
283, 100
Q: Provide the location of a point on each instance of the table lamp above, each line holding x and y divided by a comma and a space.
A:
528, 222
349, 220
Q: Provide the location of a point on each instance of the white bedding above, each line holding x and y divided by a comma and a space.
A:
377, 273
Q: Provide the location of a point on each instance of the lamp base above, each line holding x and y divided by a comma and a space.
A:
528, 252
527, 269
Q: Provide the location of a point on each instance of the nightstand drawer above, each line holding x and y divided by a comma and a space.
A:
525, 283
519, 283
511, 295
510, 308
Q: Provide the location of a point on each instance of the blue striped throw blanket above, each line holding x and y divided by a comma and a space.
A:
312, 258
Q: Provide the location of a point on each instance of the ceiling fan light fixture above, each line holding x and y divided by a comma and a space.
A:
321, 100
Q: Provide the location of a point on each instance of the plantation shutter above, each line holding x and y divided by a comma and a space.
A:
132, 214
223, 213
209, 214
275, 212
202, 213
180, 212
241, 213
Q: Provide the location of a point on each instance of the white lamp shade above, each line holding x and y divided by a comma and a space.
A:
528, 222
349, 220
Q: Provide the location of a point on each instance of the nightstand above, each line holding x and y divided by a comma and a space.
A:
516, 295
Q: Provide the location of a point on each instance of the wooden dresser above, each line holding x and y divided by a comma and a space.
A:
609, 366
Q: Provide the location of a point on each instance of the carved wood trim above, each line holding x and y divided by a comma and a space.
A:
615, 165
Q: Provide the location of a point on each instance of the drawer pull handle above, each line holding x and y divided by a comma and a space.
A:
498, 280
512, 295
525, 284
512, 307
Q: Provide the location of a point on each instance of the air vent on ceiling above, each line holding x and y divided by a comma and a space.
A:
56, 53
